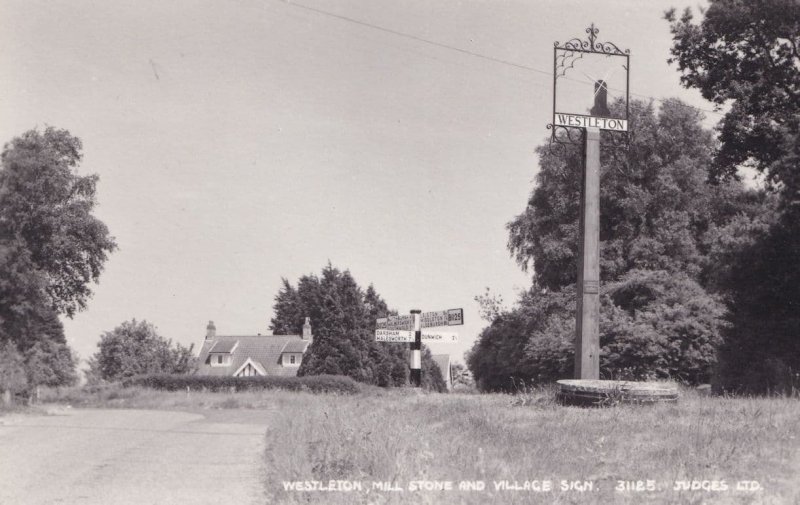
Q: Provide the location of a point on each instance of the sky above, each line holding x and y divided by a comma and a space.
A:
241, 142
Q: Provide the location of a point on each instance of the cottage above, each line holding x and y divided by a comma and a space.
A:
250, 355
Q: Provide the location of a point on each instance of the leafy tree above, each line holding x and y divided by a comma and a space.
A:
49, 363
432, 376
13, 379
653, 325
343, 319
490, 305
23, 299
48, 359
656, 207
392, 358
761, 352
30, 325
659, 325
135, 348
289, 310
51, 249
46, 209
663, 228
747, 55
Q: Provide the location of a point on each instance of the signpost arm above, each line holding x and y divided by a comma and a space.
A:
587, 338
416, 346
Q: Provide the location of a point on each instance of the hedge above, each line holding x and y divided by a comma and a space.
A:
313, 383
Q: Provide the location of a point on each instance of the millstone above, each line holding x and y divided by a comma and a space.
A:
608, 392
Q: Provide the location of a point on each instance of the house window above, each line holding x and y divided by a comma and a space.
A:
219, 360
291, 359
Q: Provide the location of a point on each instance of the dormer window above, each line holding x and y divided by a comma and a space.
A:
221, 352
291, 359
220, 359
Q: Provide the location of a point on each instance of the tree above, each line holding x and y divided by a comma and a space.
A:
12, 371
747, 55
23, 299
656, 206
663, 227
31, 325
432, 376
343, 319
490, 305
51, 249
46, 209
761, 352
135, 348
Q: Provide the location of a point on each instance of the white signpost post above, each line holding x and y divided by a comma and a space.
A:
409, 329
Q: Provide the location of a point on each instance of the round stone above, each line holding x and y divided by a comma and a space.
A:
611, 392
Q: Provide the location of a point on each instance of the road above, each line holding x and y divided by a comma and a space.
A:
111, 457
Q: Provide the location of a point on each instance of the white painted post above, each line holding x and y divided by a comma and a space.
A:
416, 346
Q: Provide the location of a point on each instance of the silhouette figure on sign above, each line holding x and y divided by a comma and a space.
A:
600, 108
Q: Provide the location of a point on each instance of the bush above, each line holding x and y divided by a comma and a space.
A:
12, 370
336, 384
653, 325
135, 348
761, 349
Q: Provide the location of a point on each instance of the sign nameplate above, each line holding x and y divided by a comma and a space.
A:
591, 287
451, 317
440, 336
394, 336
579, 121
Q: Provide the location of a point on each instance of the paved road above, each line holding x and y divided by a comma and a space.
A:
111, 457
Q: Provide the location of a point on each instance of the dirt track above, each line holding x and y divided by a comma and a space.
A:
112, 457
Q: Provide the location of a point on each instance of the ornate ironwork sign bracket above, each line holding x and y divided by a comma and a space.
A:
592, 45
582, 67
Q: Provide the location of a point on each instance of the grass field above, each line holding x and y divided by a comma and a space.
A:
403, 447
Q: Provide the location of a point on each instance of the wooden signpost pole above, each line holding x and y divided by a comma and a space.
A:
573, 56
587, 348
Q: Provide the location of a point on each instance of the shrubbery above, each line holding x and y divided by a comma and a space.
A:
666, 237
314, 383
135, 348
653, 325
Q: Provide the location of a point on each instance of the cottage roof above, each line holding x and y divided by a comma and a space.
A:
224, 346
265, 350
296, 346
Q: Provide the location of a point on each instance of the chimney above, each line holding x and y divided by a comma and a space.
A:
211, 330
307, 330
600, 108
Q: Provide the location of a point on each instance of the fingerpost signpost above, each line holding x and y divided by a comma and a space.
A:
605, 68
409, 329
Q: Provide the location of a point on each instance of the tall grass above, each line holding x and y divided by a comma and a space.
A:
401, 438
